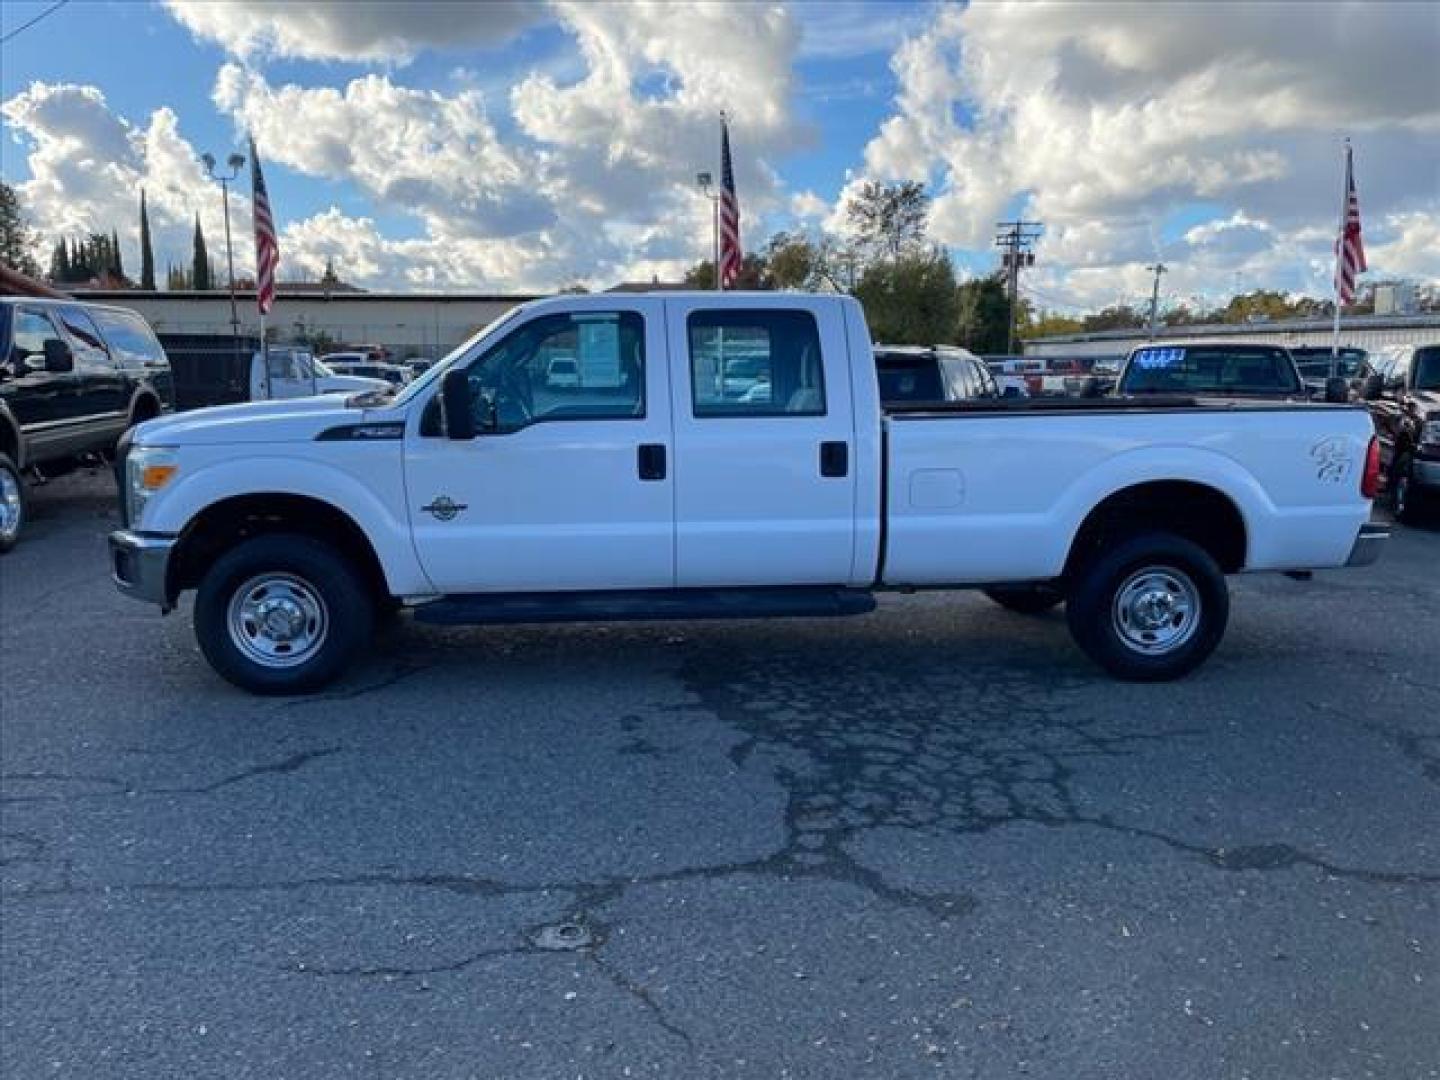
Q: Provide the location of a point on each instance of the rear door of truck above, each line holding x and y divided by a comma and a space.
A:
764, 441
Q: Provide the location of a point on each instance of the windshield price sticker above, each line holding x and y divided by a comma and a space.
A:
1153, 359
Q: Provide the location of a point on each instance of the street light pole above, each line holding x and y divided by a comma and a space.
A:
236, 162
704, 179
1158, 269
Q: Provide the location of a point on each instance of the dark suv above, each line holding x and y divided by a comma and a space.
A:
73, 377
1401, 384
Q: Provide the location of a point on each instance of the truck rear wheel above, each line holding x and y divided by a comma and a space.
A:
1151, 608
282, 614
1025, 599
12, 503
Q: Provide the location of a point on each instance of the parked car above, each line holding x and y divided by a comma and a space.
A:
915, 373
359, 364
667, 498
562, 373
290, 372
1401, 384
73, 377
1223, 369
1313, 363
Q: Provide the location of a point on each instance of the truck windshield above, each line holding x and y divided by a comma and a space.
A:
435, 370
1209, 369
1314, 361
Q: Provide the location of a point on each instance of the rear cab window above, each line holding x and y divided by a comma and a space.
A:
764, 362
1210, 369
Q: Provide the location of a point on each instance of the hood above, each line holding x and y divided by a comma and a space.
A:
292, 420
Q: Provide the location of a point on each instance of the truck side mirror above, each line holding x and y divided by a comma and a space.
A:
58, 357
457, 411
1372, 386
1337, 390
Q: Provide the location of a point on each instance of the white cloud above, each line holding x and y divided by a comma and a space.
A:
88, 165
343, 30
1101, 120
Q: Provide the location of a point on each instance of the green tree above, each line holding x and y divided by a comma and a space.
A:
910, 299
983, 321
754, 274
117, 265
1115, 317
1049, 324
200, 261
60, 262
17, 242
889, 219
147, 253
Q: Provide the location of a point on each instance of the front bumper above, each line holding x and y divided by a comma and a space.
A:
1368, 544
140, 566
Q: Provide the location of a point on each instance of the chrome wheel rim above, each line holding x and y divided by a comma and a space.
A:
1156, 610
9, 504
278, 620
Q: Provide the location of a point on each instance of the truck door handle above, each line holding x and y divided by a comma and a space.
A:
650, 461
834, 459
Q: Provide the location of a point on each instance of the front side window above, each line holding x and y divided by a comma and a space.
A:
755, 363
32, 330
131, 341
84, 338
583, 365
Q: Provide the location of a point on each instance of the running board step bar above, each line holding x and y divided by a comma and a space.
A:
645, 604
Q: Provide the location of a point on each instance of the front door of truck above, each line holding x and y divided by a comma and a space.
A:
764, 443
569, 485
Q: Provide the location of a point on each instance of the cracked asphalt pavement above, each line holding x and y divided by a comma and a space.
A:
932, 841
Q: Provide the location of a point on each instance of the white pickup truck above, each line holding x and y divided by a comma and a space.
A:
660, 484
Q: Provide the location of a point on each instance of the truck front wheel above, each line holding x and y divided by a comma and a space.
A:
1149, 609
12, 504
282, 614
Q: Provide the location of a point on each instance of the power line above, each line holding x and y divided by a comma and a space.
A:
1015, 242
26, 26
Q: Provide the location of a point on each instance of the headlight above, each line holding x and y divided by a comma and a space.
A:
1430, 431
148, 469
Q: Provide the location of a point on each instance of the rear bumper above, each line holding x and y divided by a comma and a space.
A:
1368, 544
140, 566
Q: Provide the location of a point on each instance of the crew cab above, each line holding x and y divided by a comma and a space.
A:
660, 489
73, 377
1401, 383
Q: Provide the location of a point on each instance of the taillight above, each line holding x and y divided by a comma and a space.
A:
1370, 480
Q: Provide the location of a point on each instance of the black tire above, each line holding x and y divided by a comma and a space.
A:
327, 597
14, 485
1403, 502
1025, 599
1111, 633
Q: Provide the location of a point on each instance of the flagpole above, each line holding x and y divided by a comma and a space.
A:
719, 278
1339, 260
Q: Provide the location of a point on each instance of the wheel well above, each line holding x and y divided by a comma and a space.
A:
218, 528
1198, 513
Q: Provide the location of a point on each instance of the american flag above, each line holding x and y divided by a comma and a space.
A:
267, 249
1349, 249
729, 214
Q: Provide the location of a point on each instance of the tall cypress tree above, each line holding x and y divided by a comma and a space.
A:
200, 270
147, 254
117, 263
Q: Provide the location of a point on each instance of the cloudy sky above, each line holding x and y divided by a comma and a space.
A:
525, 146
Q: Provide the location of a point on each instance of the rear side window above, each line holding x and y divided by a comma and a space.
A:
1201, 369
130, 338
755, 363
909, 378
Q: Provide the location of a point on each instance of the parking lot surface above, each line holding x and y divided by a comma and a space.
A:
932, 841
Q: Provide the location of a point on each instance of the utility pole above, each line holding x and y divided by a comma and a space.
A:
1158, 269
236, 162
1014, 241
